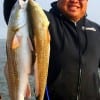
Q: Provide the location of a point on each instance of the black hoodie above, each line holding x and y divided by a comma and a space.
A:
74, 58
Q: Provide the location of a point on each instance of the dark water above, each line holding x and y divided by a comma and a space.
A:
3, 83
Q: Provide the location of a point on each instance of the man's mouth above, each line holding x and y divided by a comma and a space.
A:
73, 7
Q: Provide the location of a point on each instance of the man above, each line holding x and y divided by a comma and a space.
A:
75, 52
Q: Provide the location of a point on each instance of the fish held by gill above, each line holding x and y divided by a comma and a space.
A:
41, 39
19, 49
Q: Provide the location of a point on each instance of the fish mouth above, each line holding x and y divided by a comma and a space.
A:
22, 3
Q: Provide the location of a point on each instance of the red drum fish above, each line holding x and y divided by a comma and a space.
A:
19, 48
41, 38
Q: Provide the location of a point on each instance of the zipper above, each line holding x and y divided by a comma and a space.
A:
79, 83
80, 70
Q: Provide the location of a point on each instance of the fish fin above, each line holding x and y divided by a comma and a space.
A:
16, 42
36, 78
28, 92
48, 36
30, 44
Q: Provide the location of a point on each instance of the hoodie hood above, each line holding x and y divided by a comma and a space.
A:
55, 10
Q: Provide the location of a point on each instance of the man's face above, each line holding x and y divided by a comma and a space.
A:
74, 9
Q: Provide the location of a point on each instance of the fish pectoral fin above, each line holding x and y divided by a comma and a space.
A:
16, 41
48, 36
30, 44
28, 91
36, 78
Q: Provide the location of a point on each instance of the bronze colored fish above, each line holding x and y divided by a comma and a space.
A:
41, 38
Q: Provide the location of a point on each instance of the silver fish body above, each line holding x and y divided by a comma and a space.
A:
18, 51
